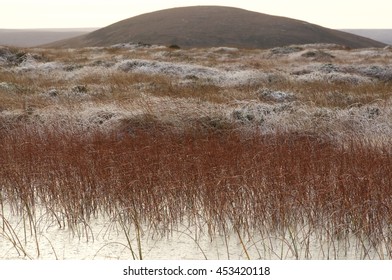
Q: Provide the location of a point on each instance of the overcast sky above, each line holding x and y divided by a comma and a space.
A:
99, 13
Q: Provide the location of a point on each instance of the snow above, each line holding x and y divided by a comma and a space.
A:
103, 238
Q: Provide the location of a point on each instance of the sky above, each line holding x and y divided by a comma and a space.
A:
337, 14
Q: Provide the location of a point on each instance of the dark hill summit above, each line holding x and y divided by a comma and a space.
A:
212, 26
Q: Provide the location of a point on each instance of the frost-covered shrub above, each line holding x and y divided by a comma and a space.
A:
52, 92
79, 89
258, 113
285, 50
250, 113
372, 112
383, 73
317, 55
224, 50
13, 56
5, 55
72, 67
329, 67
193, 72
352, 79
7, 86
168, 68
326, 46
30, 63
266, 94
333, 77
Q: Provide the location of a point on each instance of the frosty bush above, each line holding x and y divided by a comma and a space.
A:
167, 68
275, 95
285, 50
383, 73
186, 71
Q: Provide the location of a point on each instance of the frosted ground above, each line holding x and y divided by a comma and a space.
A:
256, 87
292, 88
335, 93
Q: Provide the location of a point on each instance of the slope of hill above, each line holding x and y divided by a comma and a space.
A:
210, 26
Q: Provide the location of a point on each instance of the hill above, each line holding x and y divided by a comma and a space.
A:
211, 26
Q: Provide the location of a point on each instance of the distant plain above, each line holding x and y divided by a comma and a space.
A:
36, 37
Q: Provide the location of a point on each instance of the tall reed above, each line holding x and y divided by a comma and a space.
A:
294, 187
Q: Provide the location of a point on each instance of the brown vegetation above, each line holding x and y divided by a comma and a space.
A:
227, 181
264, 143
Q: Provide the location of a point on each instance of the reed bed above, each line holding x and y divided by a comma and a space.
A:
297, 187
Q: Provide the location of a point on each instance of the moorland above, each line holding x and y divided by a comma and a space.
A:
284, 151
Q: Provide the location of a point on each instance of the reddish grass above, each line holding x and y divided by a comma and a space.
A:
223, 180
